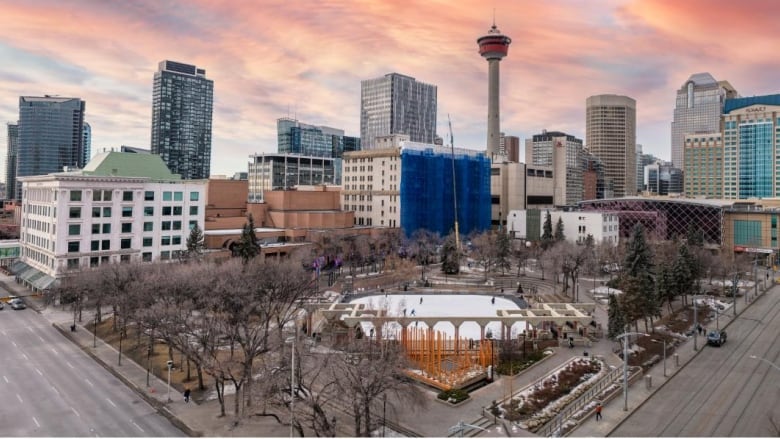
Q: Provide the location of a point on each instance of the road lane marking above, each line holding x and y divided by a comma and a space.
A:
111, 402
6, 379
19, 398
89, 382
74, 411
36, 422
25, 357
14, 343
39, 372
3, 333
69, 365
29, 328
55, 351
139, 427
55, 390
41, 338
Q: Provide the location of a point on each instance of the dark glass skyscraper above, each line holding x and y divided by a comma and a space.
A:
397, 104
10, 162
181, 119
51, 136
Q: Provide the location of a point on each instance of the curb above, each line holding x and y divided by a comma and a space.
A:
157, 405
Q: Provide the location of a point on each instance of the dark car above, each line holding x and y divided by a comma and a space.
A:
716, 338
18, 304
2, 305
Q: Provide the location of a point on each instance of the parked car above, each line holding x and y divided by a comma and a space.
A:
2, 305
18, 304
716, 338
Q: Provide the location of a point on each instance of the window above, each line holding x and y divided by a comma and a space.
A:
148, 226
94, 246
73, 263
74, 229
107, 228
106, 195
178, 196
75, 195
193, 224
148, 211
194, 210
127, 227
166, 240
127, 212
177, 225
96, 195
95, 228
167, 196
107, 212
75, 212
194, 196
105, 244
124, 259
73, 247
147, 241
166, 225
94, 261
149, 196
166, 211
177, 210
95, 212
165, 255
125, 243
176, 240
146, 257
127, 196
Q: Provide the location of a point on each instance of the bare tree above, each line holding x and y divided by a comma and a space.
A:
423, 247
484, 250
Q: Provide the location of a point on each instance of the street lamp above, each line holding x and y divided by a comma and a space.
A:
664, 342
625, 365
766, 361
695, 321
170, 366
734, 284
384, 413
94, 333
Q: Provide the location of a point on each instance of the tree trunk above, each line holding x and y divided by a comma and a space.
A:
237, 401
220, 395
199, 369
367, 417
189, 369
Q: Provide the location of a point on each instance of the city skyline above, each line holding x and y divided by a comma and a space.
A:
271, 59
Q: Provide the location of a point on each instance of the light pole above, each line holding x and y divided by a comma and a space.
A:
695, 321
292, 382
384, 413
734, 287
170, 366
664, 342
766, 361
625, 365
94, 333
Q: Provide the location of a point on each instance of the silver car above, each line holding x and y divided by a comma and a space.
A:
18, 304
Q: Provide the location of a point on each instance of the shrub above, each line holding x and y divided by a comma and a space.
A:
453, 396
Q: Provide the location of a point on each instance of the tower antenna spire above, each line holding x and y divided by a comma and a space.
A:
494, 17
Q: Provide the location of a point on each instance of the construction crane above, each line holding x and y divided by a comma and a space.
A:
454, 190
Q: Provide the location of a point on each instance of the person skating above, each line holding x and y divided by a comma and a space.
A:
598, 411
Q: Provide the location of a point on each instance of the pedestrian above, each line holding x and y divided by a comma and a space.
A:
598, 411
404, 312
413, 313
493, 300
421, 300
186, 394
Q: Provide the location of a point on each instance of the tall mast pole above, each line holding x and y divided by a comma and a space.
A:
454, 190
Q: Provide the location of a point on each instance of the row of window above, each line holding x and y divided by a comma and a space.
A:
124, 243
106, 195
127, 211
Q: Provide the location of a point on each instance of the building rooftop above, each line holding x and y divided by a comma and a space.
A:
125, 164
737, 103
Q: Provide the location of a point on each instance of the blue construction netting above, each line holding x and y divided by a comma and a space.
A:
426, 192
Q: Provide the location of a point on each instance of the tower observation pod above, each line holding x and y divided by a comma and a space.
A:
493, 47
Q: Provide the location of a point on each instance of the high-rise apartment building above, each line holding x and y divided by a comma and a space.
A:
50, 136
509, 147
751, 133
698, 109
610, 132
563, 152
10, 161
397, 104
181, 119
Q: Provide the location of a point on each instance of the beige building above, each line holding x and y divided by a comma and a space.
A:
610, 133
703, 158
517, 186
371, 182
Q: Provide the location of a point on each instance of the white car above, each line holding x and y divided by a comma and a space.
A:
18, 304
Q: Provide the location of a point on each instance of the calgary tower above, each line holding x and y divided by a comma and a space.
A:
493, 47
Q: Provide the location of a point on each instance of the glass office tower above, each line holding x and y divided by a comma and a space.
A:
10, 161
181, 119
397, 104
50, 136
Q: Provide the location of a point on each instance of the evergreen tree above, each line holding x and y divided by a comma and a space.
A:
450, 259
547, 231
247, 247
638, 280
683, 273
590, 242
666, 288
616, 322
695, 236
559, 236
195, 242
503, 251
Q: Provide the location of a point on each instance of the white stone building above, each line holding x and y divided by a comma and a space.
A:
121, 207
528, 224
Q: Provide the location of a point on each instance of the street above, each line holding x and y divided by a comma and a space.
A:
722, 392
51, 388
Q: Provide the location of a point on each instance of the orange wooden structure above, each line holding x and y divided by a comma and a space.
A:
443, 361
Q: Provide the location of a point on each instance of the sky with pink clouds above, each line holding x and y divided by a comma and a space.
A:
305, 58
